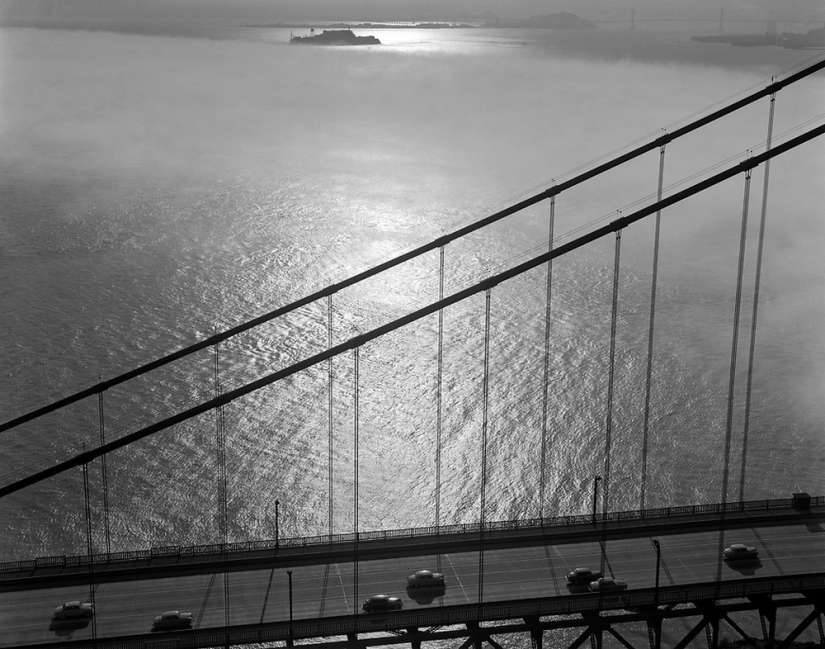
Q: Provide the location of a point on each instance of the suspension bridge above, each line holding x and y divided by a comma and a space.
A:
504, 577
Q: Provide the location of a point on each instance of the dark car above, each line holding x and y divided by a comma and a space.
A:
607, 584
172, 620
582, 576
740, 552
426, 579
378, 603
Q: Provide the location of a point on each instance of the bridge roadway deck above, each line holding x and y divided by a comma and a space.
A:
328, 585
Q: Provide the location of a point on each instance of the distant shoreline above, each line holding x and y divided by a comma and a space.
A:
421, 25
563, 20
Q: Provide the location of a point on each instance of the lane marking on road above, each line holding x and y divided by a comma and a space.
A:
343, 590
457, 578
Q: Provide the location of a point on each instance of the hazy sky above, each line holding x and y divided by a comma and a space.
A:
201, 11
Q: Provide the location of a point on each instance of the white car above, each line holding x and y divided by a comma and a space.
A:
740, 552
172, 620
606, 584
378, 603
426, 579
73, 609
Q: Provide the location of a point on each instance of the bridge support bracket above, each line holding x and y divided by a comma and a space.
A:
415, 637
767, 616
654, 631
536, 632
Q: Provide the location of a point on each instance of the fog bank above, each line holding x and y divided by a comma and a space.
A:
166, 13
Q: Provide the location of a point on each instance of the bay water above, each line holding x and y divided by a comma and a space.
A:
157, 189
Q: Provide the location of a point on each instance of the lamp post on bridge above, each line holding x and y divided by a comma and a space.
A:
277, 502
289, 574
658, 563
596, 481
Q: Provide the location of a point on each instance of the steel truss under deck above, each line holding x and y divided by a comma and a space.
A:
593, 625
584, 617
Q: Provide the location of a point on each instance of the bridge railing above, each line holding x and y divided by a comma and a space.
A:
397, 537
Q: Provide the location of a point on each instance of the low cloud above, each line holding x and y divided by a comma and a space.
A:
166, 14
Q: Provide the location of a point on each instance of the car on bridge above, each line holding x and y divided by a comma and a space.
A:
172, 620
426, 579
73, 609
379, 603
582, 577
607, 584
740, 552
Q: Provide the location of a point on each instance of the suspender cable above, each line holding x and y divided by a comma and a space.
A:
355, 445
89, 546
355, 475
330, 384
546, 383
221, 452
220, 425
439, 400
610, 380
752, 351
484, 422
226, 595
649, 375
457, 234
732, 376
423, 312
103, 475
218, 445
439, 388
735, 336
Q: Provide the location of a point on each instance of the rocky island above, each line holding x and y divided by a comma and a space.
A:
333, 37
